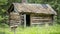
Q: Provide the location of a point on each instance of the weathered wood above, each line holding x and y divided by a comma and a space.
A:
14, 19
41, 19
17, 18
24, 20
36, 23
39, 13
14, 16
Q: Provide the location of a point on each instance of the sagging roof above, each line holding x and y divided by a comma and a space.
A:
34, 8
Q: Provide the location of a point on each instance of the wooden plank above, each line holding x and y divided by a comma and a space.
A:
30, 20
36, 23
41, 19
14, 19
24, 20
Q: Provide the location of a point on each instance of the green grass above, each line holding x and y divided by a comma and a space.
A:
32, 30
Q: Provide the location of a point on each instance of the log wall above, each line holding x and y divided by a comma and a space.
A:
14, 18
41, 19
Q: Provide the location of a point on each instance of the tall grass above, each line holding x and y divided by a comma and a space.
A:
32, 30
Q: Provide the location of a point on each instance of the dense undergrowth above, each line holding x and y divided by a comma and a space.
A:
55, 29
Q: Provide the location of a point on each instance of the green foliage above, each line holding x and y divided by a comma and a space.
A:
4, 5
3, 2
32, 30
4, 29
1, 18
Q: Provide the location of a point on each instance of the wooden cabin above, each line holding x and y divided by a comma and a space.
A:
29, 14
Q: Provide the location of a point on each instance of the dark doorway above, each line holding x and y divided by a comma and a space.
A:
27, 20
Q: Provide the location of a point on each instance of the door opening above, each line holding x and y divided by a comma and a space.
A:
27, 20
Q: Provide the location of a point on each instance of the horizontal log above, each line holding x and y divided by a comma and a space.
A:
13, 13
37, 23
41, 19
